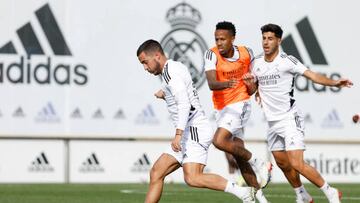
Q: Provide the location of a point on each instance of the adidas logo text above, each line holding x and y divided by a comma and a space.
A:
35, 69
24, 72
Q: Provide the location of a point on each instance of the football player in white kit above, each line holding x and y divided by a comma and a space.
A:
193, 136
273, 75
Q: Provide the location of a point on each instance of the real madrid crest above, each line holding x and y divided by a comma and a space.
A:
182, 43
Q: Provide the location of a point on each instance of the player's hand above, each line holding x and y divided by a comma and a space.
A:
258, 98
231, 83
343, 83
175, 143
160, 94
248, 79
356, 118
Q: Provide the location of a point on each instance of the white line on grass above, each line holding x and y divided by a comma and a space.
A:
143, 192
317, 197
267, 195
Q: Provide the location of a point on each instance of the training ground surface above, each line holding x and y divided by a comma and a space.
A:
129, 193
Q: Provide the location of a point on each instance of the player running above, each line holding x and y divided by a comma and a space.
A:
193, 136
273, 75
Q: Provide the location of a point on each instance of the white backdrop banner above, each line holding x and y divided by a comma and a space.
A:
45, 161
119, 161
123, 161
28, 161
69, 68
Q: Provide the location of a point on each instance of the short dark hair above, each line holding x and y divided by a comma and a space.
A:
224, 25
150, 46
272, 28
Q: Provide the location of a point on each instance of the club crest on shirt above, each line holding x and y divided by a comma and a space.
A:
182, 43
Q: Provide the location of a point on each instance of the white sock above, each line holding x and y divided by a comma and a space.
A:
301, 192
260, 196
327, 189
234, 189
233, 177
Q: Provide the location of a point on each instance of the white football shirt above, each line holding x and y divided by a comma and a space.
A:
276, 82
181, 96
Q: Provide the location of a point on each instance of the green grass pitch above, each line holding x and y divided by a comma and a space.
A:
131, 193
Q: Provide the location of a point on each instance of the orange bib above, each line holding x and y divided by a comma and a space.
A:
225, 71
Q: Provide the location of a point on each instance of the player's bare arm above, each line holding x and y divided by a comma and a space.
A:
323, 80
218, 85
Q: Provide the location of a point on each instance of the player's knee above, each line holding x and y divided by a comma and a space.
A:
192, 180
218, 142
284, 166
297, 165
155, 175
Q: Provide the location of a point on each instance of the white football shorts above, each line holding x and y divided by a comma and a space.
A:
195, 143
286, 134
234, 117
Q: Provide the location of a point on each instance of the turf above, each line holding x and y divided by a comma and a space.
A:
131, 193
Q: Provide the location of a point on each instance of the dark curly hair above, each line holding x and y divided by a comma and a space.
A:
150, 46
272, 28
226, 26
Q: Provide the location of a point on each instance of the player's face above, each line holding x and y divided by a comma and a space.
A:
224, 42
270, 43
150, 62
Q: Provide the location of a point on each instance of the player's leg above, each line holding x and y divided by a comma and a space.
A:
295, 145
229, 138
277, 146
254, 171
250, 178
297, 162
165, 165
245, 168
223, 140
196, 151
296, 158
229, 119
194, 177
290, 173
293, 177
232, 167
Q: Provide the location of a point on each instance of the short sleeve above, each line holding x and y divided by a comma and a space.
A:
251, 53
297, 66
210, 60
